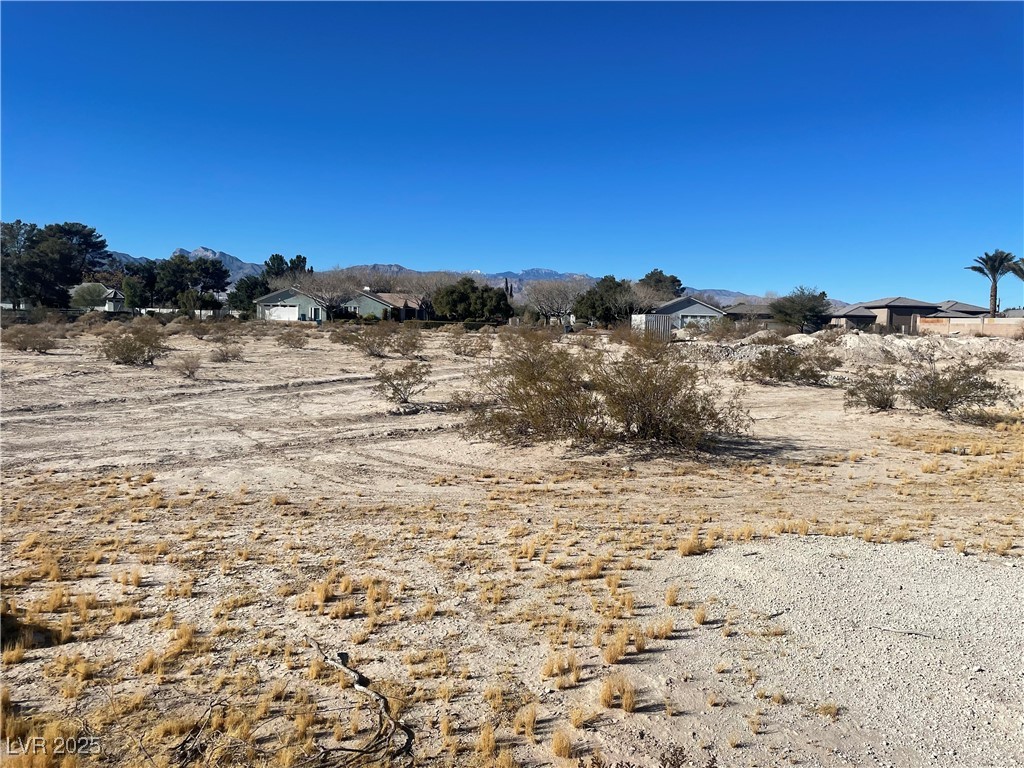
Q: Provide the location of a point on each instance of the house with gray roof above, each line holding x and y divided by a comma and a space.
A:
686, 310
386, 306
290, 305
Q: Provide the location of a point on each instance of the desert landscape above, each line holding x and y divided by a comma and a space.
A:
268, 563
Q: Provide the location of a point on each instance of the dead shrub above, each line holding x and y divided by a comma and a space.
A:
186, 365
31, 338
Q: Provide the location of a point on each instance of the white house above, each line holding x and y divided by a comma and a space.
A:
289, 304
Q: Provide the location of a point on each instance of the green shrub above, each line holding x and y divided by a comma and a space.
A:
957, 390
400, 384
139, 344
540, 390
787, 364
873, 389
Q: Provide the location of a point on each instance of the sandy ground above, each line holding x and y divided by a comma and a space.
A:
859, 602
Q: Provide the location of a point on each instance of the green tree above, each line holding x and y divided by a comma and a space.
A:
88, 295
297, 265
134, 292
607, 301
275, 266
246, 291
465, 300
43, 264
1017, 268
174, 276
210, 275
88, 247
666, 286
806, 308
993, 266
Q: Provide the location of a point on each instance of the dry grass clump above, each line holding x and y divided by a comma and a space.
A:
618, 689
561, 744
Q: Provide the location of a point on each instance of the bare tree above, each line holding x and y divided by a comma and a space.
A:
640, 298
423, 286
555, 298
332, 288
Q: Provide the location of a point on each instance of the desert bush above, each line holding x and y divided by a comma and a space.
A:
31, 338
91, 319
294, 338
831, 335
138, 344
873, 389
957, 390
785, 363
465, 344
375, 340
187, 365
408, 342
400, 384
226, 353
535, 389
544, 391
727, 329
652, 394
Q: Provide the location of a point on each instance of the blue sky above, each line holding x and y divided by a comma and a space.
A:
869, 149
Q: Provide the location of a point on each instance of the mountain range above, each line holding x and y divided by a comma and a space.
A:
239, 269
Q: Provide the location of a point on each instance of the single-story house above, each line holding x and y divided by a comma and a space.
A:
386, 306
895, 313
289, 304
898, 313
686, 310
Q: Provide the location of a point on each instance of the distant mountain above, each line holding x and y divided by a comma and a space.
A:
239, 269
236, 267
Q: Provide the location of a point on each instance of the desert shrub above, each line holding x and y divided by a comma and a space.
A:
138, 344
187, 365
957, 390
226, 353
408, 342
91, 319
544, 391
652, 394
873, 389
400, 384
785, 363
534, 390
342, 334
376, 340
464, 344
294, 338
31, 338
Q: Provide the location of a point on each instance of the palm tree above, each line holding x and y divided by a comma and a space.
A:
993, 266
1017, 268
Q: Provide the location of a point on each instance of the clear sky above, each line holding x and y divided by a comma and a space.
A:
869, 149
